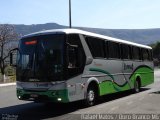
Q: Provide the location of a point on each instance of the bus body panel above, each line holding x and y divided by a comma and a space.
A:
111, 76
75, 88
112, 82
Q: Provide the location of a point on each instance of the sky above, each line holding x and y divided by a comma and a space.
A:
109, 14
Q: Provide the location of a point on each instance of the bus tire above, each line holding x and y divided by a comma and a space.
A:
91, 96
137, 86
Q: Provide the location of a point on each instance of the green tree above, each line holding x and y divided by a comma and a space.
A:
156, 53
156, 50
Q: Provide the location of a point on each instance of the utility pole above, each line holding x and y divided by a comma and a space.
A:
70, 19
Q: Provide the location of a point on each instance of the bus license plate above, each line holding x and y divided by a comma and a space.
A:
34, 95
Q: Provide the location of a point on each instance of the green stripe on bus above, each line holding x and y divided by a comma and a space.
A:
109, 86
146, 75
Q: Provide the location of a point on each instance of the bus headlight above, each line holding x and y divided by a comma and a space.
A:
59, 99
19, 97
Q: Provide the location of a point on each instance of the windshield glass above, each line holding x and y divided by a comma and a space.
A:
41, 58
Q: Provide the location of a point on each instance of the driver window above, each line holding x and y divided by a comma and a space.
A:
72, 56
75, 55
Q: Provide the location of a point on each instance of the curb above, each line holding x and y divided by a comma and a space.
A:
7, 84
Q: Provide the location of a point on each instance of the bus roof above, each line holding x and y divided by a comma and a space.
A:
77, 31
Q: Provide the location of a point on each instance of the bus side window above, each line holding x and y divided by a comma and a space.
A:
96, 47
113, 50
126, 52
150, 55
145, 54
136, 53
106, 49
72, 56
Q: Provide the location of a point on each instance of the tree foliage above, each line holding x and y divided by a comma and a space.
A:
7, 36
156, 50
156, 53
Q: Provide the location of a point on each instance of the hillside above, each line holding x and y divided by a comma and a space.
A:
143, 36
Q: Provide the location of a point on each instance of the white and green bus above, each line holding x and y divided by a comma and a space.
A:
67, 65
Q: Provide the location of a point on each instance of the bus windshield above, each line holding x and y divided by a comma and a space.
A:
41, 58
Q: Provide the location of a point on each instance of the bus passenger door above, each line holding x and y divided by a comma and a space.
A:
75, 59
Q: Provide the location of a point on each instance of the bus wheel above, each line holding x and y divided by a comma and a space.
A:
137, 86
91, 96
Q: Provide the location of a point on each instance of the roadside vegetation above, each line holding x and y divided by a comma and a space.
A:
8, 36
10, 74
156, 54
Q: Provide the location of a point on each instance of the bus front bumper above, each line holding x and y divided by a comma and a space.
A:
43, 96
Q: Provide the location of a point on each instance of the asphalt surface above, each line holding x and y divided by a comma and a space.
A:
145, 102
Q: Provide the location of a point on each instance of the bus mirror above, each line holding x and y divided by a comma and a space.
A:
89, 60
13, 54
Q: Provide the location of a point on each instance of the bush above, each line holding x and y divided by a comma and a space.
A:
9, 71
12, 78
10, 74
156, 62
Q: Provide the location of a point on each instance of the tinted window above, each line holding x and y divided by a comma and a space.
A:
145, 54
76, 58
150, 55
126, 51
106, 49
41, 57
96, 47
136, 53
113, 50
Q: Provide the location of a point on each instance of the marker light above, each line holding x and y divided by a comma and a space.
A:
33, 42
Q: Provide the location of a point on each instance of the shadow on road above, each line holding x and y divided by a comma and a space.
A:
156, 92
37, 111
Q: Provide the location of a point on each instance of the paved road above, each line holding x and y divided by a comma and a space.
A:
147, 101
